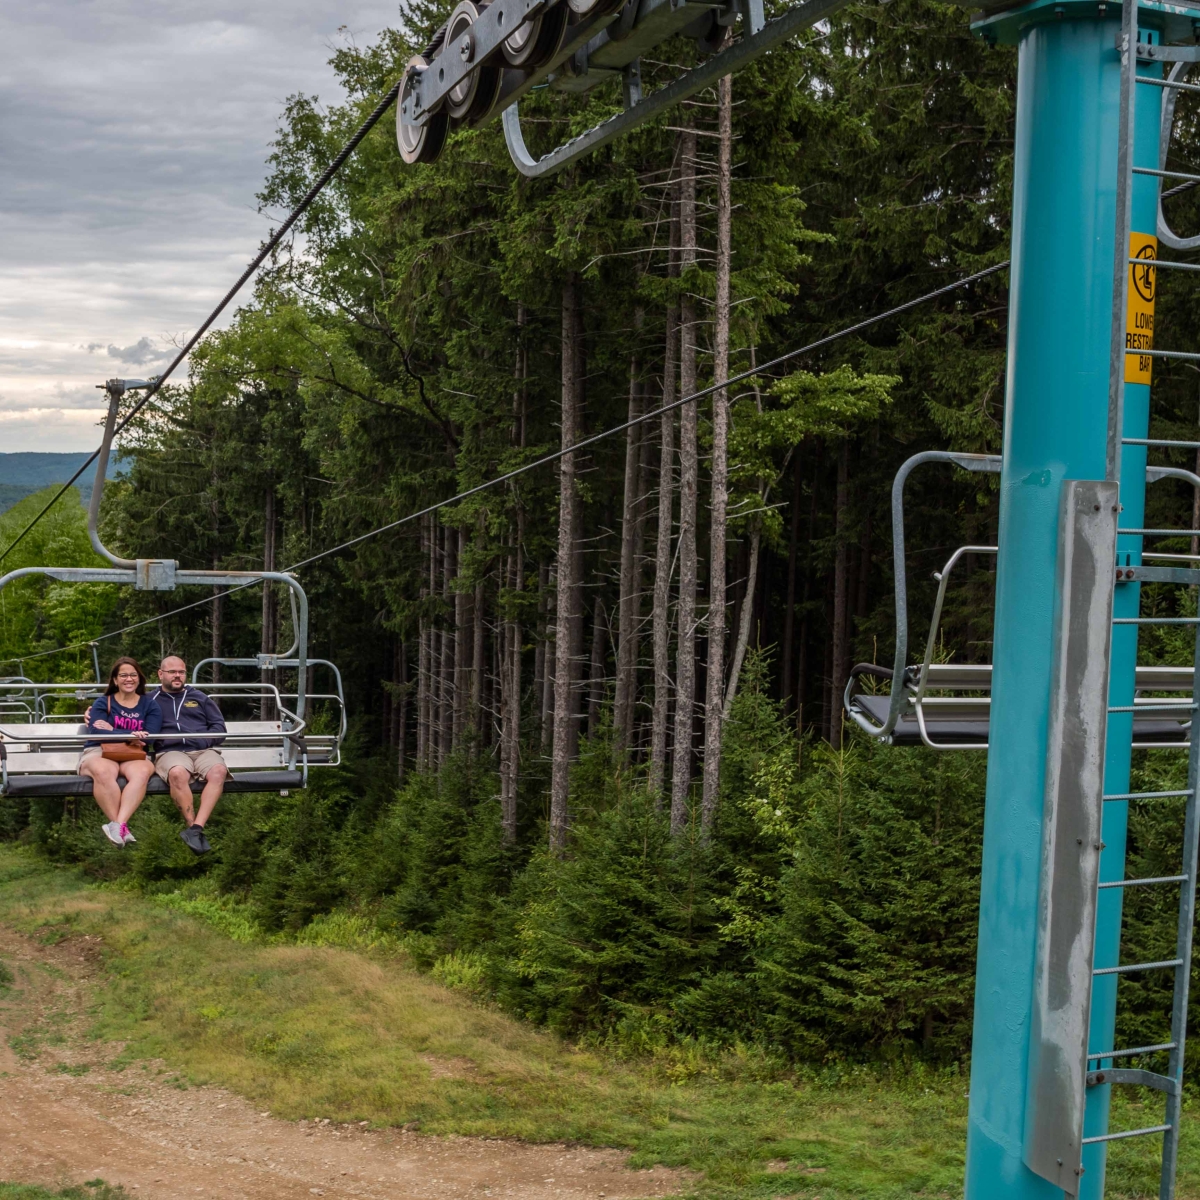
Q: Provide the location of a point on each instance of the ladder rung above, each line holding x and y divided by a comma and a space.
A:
1149, 966
1169, 263
1145, 882
1125, 1133
1132, 1051
1162, 532
1165, 175
1165, 706
1160, 442
1168, 83
1148, 795
1184, 355
1156, 620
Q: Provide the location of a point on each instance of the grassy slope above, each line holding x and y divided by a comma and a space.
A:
315, 1031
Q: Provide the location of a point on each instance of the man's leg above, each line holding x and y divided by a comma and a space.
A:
179, 780
214, 784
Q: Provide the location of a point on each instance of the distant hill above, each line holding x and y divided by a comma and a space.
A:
26, 472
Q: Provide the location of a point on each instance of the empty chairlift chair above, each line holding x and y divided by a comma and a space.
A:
945, 705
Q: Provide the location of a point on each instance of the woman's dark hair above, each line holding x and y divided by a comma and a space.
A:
112, 676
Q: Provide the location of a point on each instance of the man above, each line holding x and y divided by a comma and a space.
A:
188, 711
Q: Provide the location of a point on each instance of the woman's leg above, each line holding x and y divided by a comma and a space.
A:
103, 773
137, 776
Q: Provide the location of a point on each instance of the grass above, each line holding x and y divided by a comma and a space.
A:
309, 1030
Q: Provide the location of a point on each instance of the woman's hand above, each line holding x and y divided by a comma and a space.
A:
102, 725
138, 744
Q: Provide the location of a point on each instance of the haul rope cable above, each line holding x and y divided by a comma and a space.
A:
255, 263
553, 456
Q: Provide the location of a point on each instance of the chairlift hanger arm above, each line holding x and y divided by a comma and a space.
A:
968, 462
740, 54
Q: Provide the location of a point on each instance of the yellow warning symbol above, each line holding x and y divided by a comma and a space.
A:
1139, 307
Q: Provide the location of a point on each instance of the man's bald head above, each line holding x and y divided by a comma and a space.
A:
172, 673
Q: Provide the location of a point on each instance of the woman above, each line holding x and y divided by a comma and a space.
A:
124, 708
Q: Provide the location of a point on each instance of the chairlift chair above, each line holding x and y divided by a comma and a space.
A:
946, 705
40, 744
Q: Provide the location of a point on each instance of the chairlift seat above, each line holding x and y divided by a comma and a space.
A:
960, 719
43, 759
81, 785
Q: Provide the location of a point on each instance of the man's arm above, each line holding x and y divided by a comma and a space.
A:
214, 717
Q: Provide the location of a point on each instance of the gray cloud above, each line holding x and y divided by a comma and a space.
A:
135, 138
142, 351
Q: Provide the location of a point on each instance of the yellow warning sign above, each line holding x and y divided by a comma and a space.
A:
1139, 307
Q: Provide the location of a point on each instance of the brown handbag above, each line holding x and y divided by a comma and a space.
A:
121, 752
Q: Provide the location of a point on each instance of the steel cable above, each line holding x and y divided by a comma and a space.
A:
553, 456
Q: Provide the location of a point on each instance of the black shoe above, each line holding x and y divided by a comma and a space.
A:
194, 839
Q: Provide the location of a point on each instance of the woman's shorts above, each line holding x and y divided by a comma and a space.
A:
92, 752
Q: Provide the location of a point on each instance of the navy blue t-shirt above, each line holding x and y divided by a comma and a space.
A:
144, 717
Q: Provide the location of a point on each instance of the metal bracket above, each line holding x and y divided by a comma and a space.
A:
155, 574
632, 83
752, 14
1150, 53
1135, 1078
1185, 575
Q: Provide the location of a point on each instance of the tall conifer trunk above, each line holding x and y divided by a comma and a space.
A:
566, 730
462, 648
841, 594
551, 661
628, 604
685, 637
806, 594
596, 668
714, 706
446, 658
402, 716
786, 689
661, 616
510, 694
423, 652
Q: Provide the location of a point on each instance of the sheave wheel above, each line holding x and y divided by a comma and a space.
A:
473, 96
586, 8
418, 143
534, 43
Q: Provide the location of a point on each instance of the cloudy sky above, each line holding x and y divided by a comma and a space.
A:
133, 135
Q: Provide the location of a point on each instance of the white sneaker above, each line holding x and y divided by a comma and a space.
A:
112, 831
126, 836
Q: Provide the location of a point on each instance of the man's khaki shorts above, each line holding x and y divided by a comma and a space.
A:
197, 763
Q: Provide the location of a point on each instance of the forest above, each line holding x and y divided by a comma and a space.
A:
597, 771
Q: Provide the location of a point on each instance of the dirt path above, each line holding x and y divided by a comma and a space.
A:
65, 1117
